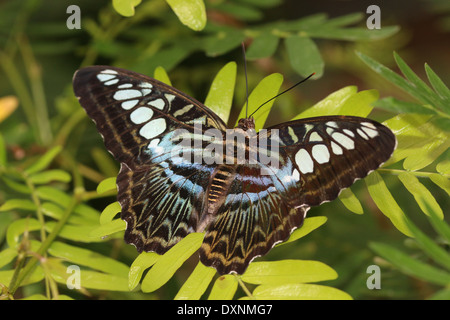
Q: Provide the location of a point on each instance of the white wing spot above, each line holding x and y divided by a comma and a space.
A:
315, 137
320, 153
332, 124
336, 149
183, 110
349, 133
153, 128
105, 77
111, 82
296, 175
304, 161
369, 124
158, 103
370, 132
109, 71
127, 94
125, 86
146, 85
169, 97
141, 115
127, 105
343, 140
292, 135
362, 134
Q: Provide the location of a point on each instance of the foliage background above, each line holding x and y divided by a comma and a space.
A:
52, 159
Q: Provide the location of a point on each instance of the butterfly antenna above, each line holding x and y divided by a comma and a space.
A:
246, 79
283, 92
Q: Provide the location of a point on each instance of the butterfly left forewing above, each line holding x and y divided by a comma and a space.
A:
160, 192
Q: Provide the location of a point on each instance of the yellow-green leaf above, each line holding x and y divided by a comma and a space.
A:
125, 7
265, 90
386, 202
161, 75
197, 283
288, 271
299, 291
168, 263
220, 95
224, 288
350, 201
143, 261
191, 13
423, 196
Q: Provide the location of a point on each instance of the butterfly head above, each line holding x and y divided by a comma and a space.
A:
246, 123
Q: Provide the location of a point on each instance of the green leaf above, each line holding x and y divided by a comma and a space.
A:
304, 56
441, 181
330, 105
125, 7
351, 34
410, 265
50, 175
359, 104
6, 256
109, 213
309, 224
104, 162
350, 201
53, 194
423, 196
3, 157
220, 95
224, 288
443, 166
399, 106
16, 186
225, 40
197, 283
386, 203
107, 185
107, 229
74, 233
263, 46
88, 279
161, 75
422, 90
438, 85
13, 204
430, 247
88, 258
18, 227
288, 271
143, 261
36, 276
299, 291
44, 161
191, 13
266, 89
168, 263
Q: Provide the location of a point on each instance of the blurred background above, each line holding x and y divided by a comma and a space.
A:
39, 54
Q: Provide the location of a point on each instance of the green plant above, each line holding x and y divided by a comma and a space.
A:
51, 158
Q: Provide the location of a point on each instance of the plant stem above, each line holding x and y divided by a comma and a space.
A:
32, 263
244, 287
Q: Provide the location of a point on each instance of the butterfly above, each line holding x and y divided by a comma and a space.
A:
244, 207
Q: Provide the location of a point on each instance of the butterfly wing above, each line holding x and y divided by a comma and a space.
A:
160, 192
328, 154
316, 159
